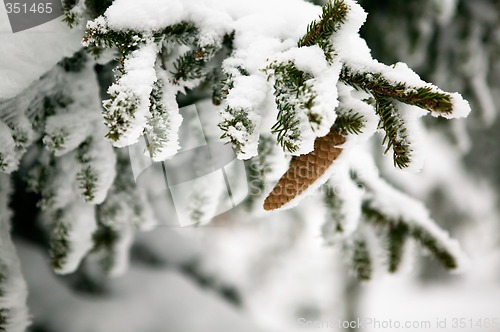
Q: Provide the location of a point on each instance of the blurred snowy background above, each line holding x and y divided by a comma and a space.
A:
274, 272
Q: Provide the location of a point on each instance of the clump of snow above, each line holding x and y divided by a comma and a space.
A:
64, 132
348, 45
317, 120
100, 159
136, 83
162, 129
62, 188
246, 97
461, 107
25, 55
8, 156
352, 100
143, 15
79, 219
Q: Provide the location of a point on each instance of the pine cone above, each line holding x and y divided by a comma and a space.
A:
304, 170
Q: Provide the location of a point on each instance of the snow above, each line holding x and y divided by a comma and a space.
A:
62, 188
401, 300
72, 127
443, 171
351, 99
137, 83
326, 101
149, 15
25, 56
399, 206
351, 197
347, 43
166, 123
143, 15
401, 73
79, 218
248, 94
8, 160
411, 117
146, 298
13, 290
102, 161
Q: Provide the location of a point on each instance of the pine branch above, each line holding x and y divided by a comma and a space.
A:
72, 17
361, 260
259, 167
162, 127
427, 240
375, 83
105, 240
14, 314
350, 123
75, 63
396, 238
237, 126
294, 97
414, 230
191, 65
99, 36
87, 179
60, 245
319, 32
225, 85
395, 131
335, 217
184, 33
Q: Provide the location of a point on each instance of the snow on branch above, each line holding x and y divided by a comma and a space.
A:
71, 232
14, 316
403, 217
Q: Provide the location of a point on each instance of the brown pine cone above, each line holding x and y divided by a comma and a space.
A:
304, 170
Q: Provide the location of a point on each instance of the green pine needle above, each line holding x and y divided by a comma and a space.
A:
427, 240
350, 123
292, 95
401, 230
361, 260
59, 242
105, 239
87, 179
395, 132
183, 33
319, 32
376, 84
396, 239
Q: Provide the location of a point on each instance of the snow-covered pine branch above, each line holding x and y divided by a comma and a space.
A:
309, 74
286, 82
14, 316
356, 197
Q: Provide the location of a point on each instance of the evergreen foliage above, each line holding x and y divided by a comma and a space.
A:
294, 96
268, 109
319, 32
395, 131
